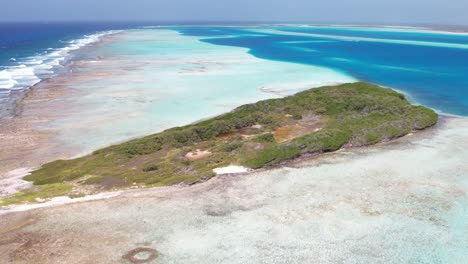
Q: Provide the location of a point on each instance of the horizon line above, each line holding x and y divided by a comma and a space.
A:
237, 22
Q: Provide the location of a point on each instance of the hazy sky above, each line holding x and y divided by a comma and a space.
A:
326, 11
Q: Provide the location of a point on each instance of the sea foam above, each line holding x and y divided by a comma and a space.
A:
30, 70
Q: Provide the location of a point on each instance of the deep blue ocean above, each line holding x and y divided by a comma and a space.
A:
425, 65
430, 67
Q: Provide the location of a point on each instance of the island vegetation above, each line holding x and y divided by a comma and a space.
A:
257, 135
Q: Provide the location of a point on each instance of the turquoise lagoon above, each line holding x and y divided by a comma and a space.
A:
149, 80
430, 66
145, 80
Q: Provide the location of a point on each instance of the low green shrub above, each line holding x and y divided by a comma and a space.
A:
357, 113
94, 180
272, 155
265, 138
323, 141
229, 147
151, 167
372, 138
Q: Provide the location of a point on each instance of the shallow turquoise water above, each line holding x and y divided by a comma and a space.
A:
431, 67
150, 80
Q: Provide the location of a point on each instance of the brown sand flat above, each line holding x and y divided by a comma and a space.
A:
26, 140
22, 144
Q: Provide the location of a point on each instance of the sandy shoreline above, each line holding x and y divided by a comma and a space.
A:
30, 147
37, 134
11, 105
14, 180
57, 107
22, 144
28, 142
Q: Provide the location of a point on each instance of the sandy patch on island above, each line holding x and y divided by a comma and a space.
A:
197, 154
231, 170
12, 182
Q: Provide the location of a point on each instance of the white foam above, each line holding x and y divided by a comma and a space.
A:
33, 69
190, 67
33, 61
6, 80
23, 76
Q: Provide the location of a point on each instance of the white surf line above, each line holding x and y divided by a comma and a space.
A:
379, 40
30, 70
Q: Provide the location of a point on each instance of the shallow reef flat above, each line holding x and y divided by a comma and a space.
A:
140, 82
144, 81
400, 202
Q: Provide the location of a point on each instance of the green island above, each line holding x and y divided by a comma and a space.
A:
257, 135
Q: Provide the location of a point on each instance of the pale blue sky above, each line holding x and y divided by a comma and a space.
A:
325, 11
